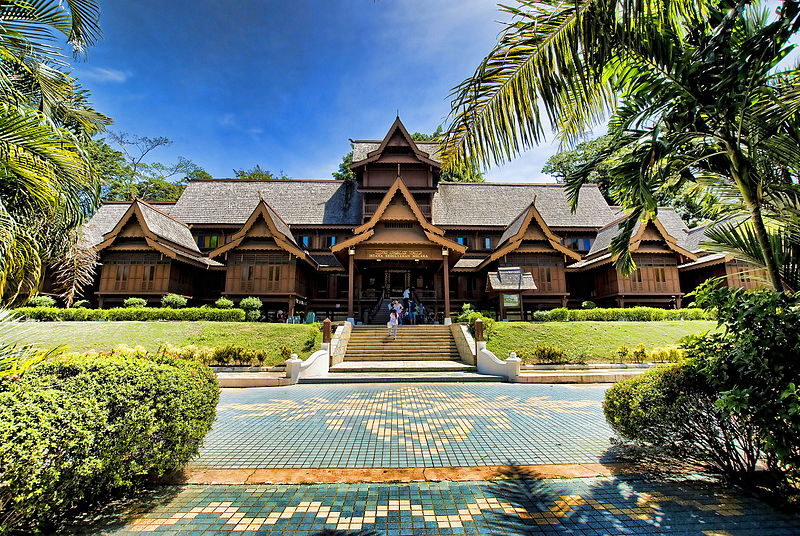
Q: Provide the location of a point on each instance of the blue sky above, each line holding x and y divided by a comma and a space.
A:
284, 84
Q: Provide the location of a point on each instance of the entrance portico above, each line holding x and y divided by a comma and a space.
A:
395, 250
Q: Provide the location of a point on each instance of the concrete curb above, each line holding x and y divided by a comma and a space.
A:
409, 474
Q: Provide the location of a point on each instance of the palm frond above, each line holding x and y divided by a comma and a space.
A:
550, 56
75, 269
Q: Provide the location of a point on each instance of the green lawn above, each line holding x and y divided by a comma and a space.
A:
81, 336
598, 341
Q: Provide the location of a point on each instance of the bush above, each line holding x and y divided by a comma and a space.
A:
53, 314
623, 354
41, 301
252, 316
173, 301
540, 316
588, 305
640, 314
753, 366
223, 303
559, 314
81, 304
545, 353
134, 302
489, 328
639, 354
82, 427
673, 409
286, 353
250, 304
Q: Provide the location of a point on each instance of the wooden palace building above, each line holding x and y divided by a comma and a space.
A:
341, 249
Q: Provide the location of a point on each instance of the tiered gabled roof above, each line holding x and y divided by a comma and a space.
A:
160, 231
366, 231
600, 251
515, 234
278, 229
368, 151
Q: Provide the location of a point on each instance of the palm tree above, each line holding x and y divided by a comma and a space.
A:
690, 86
47, 186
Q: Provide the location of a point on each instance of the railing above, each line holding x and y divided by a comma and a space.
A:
376, 306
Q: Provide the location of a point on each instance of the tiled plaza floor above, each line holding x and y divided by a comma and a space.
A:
582, 506
407, 425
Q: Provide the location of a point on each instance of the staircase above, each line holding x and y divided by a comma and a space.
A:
420, 353
381, 316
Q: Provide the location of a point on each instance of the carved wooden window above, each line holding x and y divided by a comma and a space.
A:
121, 278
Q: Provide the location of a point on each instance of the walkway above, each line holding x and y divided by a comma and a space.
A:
407, 425
338, 434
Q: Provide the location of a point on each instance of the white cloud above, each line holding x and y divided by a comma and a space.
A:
103, 75
228, 121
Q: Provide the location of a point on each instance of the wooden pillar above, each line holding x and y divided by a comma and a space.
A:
326, 335
445, 255
350, 277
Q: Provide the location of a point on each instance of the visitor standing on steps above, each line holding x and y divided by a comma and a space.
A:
406, 297
392, 325
398, 310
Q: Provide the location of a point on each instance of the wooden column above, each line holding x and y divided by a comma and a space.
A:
350, 277
445, 253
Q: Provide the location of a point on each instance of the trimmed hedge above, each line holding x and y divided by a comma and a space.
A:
631, 314
79, 428
56, 314
42, 301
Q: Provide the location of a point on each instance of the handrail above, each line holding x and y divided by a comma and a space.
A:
374, 309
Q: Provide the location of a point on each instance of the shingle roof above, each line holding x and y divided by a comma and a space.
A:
514, 227
298, 202
103, 221
468, 263
672, 223
492, 204
510, 279
362, 148
695, 237
280, 224
168, 228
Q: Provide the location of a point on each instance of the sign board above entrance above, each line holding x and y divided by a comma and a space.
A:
399, 253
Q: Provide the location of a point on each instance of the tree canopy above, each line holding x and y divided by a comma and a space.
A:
698, 97
257, 173
124, 175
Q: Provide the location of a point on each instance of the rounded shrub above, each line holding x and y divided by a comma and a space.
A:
673, 409
173, 301
82, 427
223, 303
81, 304
134, 303
41, 301
588, 304
252, 316
250, 303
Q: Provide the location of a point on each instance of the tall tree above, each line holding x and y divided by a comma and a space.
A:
256, 173
47, 186
125, 175
702, 64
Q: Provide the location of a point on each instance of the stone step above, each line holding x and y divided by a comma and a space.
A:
404, 377
402, 366
403, 357
409, 345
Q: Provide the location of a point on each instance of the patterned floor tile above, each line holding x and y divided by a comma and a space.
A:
613, 505
407, 425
